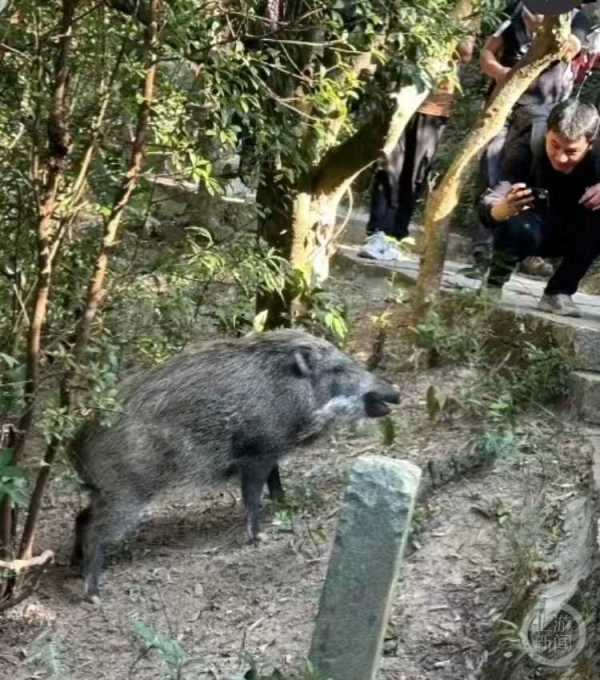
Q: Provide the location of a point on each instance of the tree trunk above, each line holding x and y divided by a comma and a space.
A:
95, 291
548, 47
301, 226
7, 436
59, 145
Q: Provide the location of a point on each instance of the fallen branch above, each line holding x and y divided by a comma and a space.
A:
19, 570
17, 566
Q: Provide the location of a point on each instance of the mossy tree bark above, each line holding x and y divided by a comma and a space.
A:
48, 240
96, 286
549, 46
299, 220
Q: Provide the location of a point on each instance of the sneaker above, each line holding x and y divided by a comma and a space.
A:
560, 304
379, 247
536, 267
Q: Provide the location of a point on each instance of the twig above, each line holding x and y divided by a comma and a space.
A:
8, 48
252, 626
17, 566
141, 655
311, 536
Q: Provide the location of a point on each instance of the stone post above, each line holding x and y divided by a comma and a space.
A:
363, 568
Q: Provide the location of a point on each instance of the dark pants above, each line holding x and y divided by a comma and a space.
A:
398, 185
575, 239
529, 122
489, 175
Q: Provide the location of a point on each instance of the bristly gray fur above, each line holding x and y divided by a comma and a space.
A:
230, 406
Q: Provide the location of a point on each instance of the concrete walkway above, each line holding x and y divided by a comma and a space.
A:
520, 295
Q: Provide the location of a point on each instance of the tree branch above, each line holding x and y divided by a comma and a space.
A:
548, 46
95, 291
59, 144
380, 134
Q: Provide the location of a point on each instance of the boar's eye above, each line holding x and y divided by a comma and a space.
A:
338, 369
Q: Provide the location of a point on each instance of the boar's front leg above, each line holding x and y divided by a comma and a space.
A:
254, 476
276, 492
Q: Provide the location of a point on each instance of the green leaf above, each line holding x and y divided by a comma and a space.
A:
388, 430
11, 362
260, 320
16, 493
339, 327
436, 401
11, 472
6, 456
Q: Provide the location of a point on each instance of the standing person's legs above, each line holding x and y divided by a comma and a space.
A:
492, 158
421, 147
384, 195
380, 214
539, 127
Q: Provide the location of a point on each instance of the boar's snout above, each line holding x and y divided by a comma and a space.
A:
376, 401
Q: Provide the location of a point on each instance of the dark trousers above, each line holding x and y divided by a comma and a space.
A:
528, 122
398, 185
575, 239
489, 175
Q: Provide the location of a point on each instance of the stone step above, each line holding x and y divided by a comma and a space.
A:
355, 231
580, 337
585, 390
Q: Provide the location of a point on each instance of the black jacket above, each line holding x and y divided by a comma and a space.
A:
555, 83
522, 163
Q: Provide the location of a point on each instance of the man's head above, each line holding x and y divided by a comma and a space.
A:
572, 127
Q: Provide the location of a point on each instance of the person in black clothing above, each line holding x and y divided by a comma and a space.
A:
401, 177
566, 222
398, 184
501, 52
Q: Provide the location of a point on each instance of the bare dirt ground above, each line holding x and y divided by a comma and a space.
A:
188, 575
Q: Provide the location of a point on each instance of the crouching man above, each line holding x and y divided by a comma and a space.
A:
547, 203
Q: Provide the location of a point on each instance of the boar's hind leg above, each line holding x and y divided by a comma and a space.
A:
108, 521
254, 475
276, 492
81, 523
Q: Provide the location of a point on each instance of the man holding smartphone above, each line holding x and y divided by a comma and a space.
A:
547, 203
500, 53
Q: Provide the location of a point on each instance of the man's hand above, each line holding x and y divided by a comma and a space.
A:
572, 47
501, 74
591, 198
516, 201
489, 59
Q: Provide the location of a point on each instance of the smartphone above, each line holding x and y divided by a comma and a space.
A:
541, 198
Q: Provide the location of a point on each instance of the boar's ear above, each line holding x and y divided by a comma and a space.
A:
303, 362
